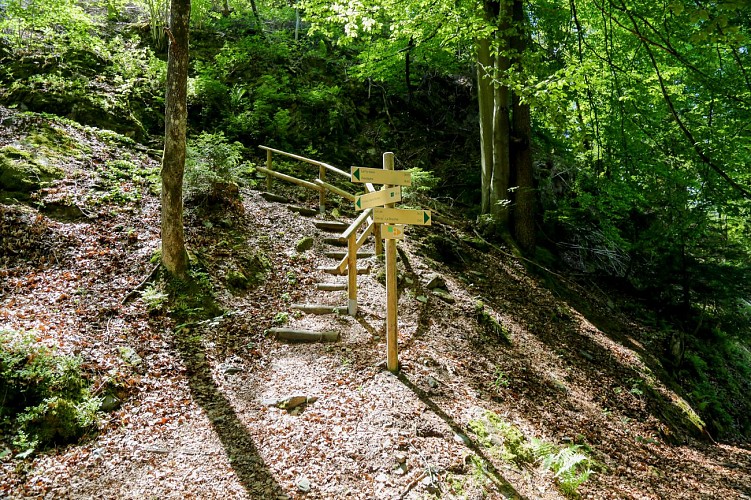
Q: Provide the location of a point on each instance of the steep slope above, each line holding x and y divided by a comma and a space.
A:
551, 358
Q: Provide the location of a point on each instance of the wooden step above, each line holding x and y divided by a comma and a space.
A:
339, 242
331, 225
331, 287
303, 335
274, 197
302, 210
319, 308
335, 270
340, 255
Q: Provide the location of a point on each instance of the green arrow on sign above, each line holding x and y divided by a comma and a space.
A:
426, 217
356, 173
358, 204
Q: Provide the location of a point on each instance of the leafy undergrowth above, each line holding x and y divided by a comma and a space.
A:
506, 389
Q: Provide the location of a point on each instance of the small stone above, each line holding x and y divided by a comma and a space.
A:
422, 298
381, 478
432, 382
462, 439
304, 244
229, 369
303, 484
401, 457
435, 281
110, 403
444, 295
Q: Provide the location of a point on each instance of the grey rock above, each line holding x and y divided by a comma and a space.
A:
444, 295
435, 281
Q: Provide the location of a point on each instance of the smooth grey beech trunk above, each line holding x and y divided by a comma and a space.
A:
174, 255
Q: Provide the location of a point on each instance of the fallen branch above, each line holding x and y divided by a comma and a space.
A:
303, 335
142, 284
411, 485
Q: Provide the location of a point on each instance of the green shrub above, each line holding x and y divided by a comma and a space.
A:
213, 167
570, 464
46, 397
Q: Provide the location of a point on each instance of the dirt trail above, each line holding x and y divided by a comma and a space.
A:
197, 423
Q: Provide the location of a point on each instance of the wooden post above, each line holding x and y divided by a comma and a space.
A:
268, 165
392, 353
352, 273
378, 240
322, 192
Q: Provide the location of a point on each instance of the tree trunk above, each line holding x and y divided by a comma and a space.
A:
485, 104
174, 255
524, 206
501, 124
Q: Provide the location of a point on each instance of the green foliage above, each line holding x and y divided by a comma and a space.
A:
570, 464
154, 298
157, 12
716, 375
280, 319
423, 182
123, 181
46, 396
27, 25
213, 167
491, 325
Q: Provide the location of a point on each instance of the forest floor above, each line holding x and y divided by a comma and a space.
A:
564, 364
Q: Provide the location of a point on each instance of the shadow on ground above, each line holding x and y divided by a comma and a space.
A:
250, 468
504, 487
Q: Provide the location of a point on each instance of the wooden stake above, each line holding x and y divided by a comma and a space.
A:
268, 165
322, 192
352, 272
392, 352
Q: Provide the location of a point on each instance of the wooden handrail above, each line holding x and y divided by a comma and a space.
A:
356, 224
341, 192
349, 262
308, 160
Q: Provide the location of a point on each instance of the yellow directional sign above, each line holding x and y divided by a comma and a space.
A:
402, 216
378, 198
392, 231
381, 176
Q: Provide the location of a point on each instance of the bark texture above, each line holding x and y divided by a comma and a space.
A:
174, 255
524, 206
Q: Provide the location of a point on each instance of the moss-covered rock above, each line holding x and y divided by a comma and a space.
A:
304, 244
22, 173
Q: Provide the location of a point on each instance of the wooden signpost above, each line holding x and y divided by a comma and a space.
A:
402, 216
379, 176
392, 229
378, 198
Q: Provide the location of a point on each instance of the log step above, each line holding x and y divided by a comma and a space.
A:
274, 197
319, 308
331, 225
337, 272
302, 210
331, 287
341, 255
338, 242
303, 335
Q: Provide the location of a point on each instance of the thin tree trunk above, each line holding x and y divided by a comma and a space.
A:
501, 122
485, 105
524, 207
174, 255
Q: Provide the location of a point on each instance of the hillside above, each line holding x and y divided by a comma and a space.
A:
553, 357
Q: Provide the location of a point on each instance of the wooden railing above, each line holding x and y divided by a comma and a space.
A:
354, 242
